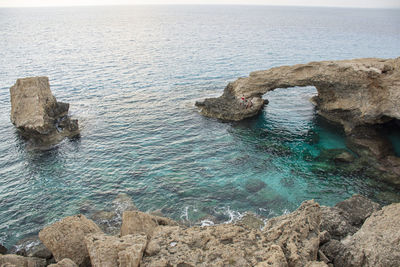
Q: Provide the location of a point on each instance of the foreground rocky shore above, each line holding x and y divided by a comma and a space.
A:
355, 232
362, 95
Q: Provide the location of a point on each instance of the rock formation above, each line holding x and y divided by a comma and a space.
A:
351, 92
376, 243
288, 240
64, 263
356, 232
360, 94
136, 222
12, 260
113, 251
37, 114
66, 238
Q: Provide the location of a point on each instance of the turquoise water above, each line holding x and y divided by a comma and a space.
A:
132, 75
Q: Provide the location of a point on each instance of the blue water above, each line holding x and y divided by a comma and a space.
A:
132, 75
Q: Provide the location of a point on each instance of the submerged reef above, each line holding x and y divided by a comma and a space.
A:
362, 95
355, 232
39, 117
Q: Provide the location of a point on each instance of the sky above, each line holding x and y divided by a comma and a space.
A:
334, 3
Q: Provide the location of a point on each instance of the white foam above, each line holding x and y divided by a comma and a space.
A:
205, 223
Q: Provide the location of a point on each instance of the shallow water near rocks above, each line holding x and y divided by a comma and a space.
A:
132, 75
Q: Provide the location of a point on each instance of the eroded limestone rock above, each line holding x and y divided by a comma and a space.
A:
136, 222
106, 250
297, 233
66, 238
64, 263
289, 240
351, 92
346, 217
9, 260
376, 243
37, 114
358, 94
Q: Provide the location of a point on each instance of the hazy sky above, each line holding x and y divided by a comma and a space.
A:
338, 3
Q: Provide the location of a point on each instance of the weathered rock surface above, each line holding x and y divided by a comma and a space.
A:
346, 217
105, 250
132, 256
31, 247
64, 263
376, 243
37, 114
251, 221
289, 240
357, 93
351, 92
358, 209
136, 222
10, 260
66, 238
297, 233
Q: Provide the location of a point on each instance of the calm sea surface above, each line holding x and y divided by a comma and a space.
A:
132, 75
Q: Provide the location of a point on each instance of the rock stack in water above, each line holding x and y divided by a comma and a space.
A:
37, 114
362, 95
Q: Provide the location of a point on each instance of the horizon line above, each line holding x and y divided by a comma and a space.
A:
196, 4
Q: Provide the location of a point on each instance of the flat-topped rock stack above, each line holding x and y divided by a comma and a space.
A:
362, 95
37, 114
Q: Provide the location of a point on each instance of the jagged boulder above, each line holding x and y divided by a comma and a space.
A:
66, 238
346, 217
137, 222
297, 233
126, 251
37, 114
358, 209
10, 260
376, 243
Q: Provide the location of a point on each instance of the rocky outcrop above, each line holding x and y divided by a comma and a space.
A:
126, 251
376, 243
37, 114
64, 263
346, 217
351, 92
354, 232
360, 94
288, 240
136, 222
297, 233
66, 238
11, 260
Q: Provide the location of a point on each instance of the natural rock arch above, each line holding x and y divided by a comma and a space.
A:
359, 94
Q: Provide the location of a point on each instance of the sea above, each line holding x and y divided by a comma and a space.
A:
132, 75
